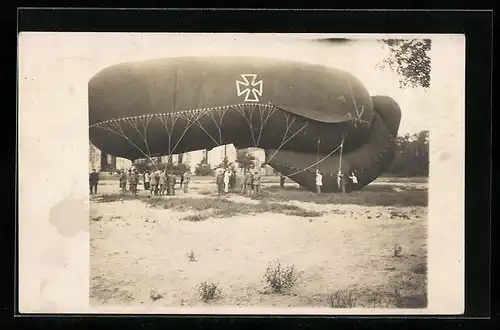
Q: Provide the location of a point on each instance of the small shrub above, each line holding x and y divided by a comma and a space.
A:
155, 295
195, 217
208, 291
420, 268
398, 251
280, 277
343, 299
397, 299
191, 256
204, 170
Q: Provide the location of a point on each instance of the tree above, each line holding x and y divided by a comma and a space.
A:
412, 155
203, 169
409, 58
143, 165
245, 159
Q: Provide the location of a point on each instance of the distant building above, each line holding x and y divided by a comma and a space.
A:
103, 162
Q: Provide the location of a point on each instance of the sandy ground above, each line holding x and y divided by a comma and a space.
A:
139, 253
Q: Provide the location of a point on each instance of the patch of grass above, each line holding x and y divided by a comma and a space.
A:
371, 195
395, 295
280, 277
205, 192
343, 299
195, 217
420, 268
224, 208
208, 291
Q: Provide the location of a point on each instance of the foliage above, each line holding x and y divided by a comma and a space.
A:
245, 159
280, 277
203, 169
412, 155
343, 299
208, 291
143, 165
409, 58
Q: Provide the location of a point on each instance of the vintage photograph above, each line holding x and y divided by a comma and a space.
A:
268, 171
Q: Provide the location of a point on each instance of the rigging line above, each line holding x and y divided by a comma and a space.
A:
212, 116
221, 117
134, 125
322, 159
285, 140
164, 121
188, 126
341, 151
359, 114
262, 121
317, 150
122, 135
197, 123
352, 96
145, 127
242, 112
206, 132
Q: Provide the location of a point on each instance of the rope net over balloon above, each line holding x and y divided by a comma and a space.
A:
256, 116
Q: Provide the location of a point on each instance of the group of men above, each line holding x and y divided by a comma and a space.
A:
156, 182
226, 179
251, 184
341, 181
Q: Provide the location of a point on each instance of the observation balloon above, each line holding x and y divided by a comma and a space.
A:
306, 117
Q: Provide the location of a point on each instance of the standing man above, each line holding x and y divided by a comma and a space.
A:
282, 181
182, 179
186, 177
248, 183
123, 180
134, 181
162, 181
341, 181
227, 176
219, 180
171, 183
130, 184
319, 182
242, 182
256, 183
147, 181
93, 181
154, 183
354, 179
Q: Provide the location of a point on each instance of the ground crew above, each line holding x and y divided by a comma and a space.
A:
319, 182
219, 180
162, 181
171, 184
123, 180
248, 183
256, 183
93, 181
186, 178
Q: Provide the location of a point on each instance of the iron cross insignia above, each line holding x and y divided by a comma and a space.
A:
252, 89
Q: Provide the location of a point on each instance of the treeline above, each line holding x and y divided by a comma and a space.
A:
412, 155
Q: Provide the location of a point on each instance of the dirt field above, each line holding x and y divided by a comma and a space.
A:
365, 249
